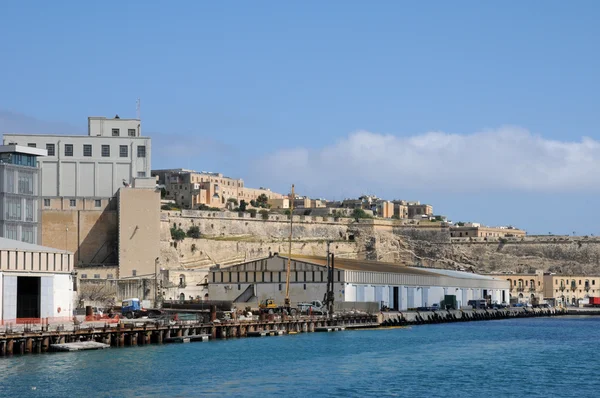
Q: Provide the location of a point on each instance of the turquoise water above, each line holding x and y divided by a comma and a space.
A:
523, 357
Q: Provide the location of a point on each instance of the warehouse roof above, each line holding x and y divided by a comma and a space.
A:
12, 244
379, 266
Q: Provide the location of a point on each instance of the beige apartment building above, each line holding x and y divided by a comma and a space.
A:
571, 289
469, 231
525, 288
557, 289
400, 209
190, 189
416, 209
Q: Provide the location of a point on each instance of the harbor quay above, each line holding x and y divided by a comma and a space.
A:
35, 339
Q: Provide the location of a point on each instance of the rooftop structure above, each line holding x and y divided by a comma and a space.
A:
96, 165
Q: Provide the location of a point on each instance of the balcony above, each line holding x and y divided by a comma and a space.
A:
562, 288
573, 287
532, 290
520, 289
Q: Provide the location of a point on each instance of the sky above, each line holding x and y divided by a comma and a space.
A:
488, 111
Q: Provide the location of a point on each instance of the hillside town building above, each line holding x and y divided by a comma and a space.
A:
474, 230
191, 189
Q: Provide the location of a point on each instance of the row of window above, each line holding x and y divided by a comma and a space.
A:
117, 132
87, 150
73, 203
270, 276
587, 282
97, 276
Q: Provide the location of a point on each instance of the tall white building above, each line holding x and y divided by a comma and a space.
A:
93, 165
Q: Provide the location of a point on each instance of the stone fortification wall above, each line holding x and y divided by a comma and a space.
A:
226, 237
227, 240
226, 224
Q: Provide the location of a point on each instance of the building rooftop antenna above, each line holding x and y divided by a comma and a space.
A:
138, 109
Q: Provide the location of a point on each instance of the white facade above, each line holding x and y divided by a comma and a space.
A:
94, 165
357, 281
35, 282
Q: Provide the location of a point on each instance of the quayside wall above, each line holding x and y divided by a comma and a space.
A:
134, 333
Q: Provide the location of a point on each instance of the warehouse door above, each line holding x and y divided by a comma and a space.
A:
28, 296
395, 303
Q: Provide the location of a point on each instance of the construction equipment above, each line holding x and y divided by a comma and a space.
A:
268, 305
287, 303
329, 297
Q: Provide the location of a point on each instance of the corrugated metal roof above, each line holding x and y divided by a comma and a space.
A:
12, 244
379, 266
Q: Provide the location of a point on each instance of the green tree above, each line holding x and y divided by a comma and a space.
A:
265, 214
243, 205
262, 200
177, 233
360, 213
233, 200
194, 232
163, 193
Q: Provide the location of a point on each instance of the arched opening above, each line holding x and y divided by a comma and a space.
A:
181, 280
182, 297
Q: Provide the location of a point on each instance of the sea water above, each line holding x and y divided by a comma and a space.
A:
539, 357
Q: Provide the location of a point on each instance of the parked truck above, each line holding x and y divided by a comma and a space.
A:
594, 302
132, 308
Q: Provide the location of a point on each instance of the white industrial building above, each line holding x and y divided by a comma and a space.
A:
36, 282
355, 281
93, 165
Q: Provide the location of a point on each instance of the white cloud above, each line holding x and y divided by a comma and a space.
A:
509, 158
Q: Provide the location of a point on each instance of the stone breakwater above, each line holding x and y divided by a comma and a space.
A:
427, 317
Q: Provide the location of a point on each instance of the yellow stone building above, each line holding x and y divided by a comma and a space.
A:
558, 289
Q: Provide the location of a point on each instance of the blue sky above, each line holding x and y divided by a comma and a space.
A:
488, 112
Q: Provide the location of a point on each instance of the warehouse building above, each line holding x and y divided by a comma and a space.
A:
35, 282
355, 281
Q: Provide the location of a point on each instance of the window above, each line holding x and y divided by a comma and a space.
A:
25, 183
109, 276
98, 203
123, 152
143, 174
12, 231
13, 209
131, 132
27, 234
105, 151
47, 202
115, 132
68, 149
31, 145
280, 286
29, 216
72, 202
141, 152
50, 149
83, 276
134, 272
87, 150
96, 276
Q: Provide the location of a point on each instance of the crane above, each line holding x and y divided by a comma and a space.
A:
287, 303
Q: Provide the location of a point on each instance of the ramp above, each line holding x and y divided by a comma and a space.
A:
247, 295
